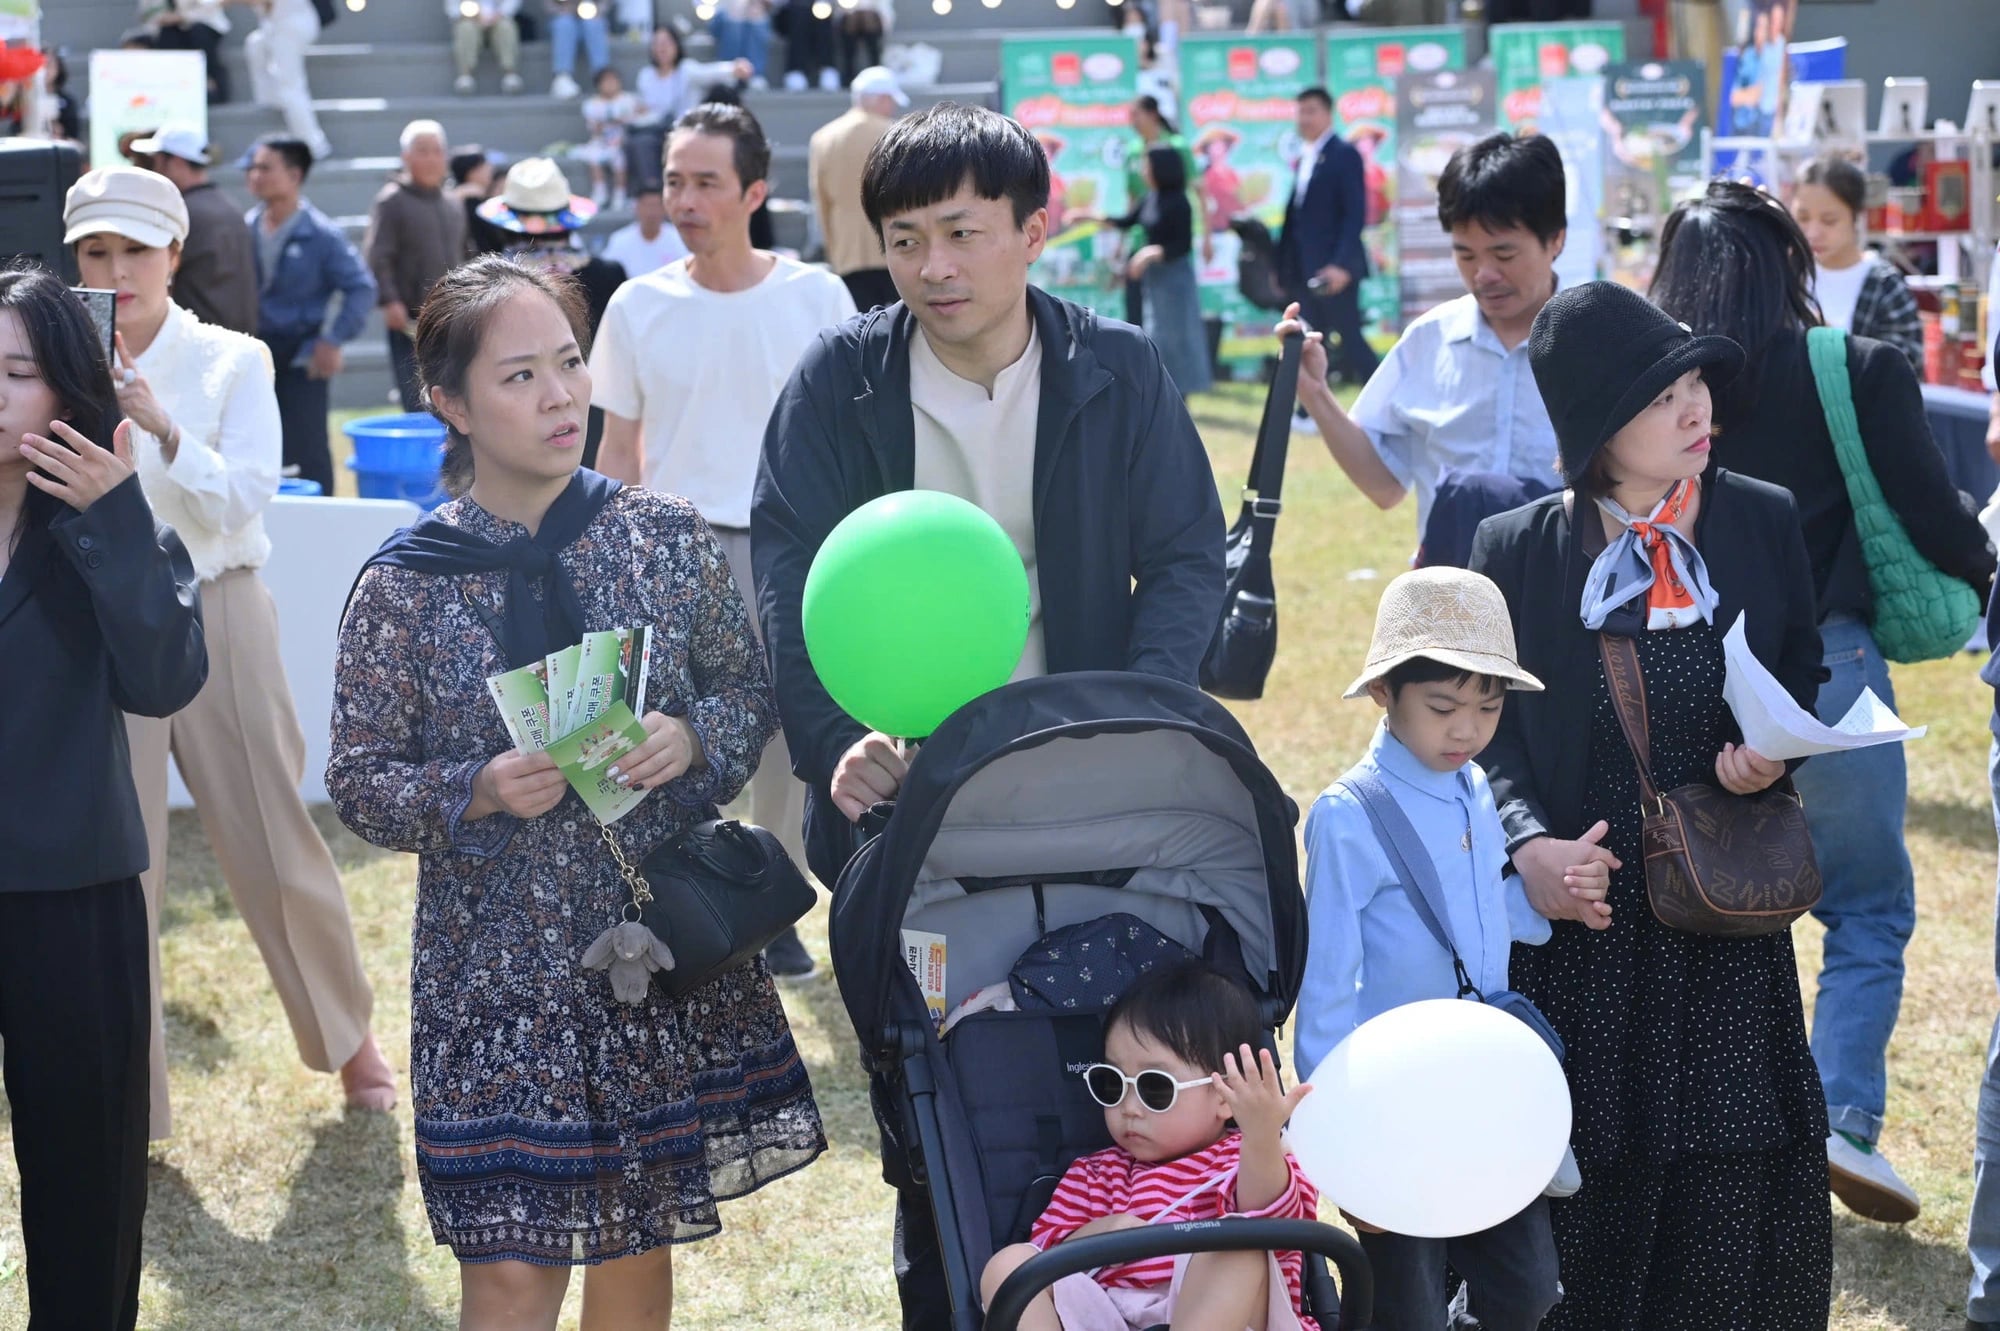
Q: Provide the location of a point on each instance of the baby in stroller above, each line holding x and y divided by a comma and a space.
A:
1195, 1109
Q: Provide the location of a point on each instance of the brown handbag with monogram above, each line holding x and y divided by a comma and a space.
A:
1717, 864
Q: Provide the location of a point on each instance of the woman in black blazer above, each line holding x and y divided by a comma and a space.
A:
1698, 1119
98, 617
1734, 262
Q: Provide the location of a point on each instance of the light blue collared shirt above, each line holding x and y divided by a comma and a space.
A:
1449, 396
1370, 950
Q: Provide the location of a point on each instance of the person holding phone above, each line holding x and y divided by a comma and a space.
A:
105, 603
205, 443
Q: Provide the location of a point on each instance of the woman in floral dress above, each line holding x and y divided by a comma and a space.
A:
555, 1126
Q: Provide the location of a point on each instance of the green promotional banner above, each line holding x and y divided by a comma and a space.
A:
1074, 94
1361, 72
1526, 55
1436, 116
1241, 98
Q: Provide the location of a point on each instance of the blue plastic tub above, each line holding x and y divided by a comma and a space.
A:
298, 485
398, 457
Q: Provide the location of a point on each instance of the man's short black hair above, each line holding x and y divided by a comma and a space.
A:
924, 159
1503, 181
1317, 94
295, 152
749, 149
1191, 1008
1424, 670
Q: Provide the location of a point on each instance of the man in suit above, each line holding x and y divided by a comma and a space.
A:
1321, 260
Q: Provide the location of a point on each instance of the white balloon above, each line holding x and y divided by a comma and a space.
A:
1435, 1119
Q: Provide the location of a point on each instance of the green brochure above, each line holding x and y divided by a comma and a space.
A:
587, 755
523, 699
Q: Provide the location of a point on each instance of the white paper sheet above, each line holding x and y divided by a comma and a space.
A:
1777, 727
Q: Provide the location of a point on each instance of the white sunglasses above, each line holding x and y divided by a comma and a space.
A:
1157, 1090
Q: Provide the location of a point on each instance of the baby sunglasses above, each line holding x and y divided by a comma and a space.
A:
1157, 1090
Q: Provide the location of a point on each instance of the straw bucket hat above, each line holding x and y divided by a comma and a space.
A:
1449, 615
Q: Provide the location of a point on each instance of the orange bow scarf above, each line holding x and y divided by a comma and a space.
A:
1650, 559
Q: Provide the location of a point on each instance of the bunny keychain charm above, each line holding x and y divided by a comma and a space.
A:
628, 950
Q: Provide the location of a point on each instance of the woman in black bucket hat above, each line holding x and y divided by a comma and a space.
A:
1699, 1123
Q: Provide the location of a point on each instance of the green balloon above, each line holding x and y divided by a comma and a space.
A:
916, 604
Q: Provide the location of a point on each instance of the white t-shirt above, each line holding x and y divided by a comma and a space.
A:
982, 449
700, 371
1837, 290
639, 256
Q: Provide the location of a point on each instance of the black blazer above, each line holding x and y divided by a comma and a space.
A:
1325, 227
99, 615
1538, 762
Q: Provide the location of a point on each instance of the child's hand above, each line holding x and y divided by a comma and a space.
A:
1256, 1099
1107, 1224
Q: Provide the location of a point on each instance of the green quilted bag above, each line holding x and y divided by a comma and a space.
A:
1921, 614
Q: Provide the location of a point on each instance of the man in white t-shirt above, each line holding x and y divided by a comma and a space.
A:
648, 242
688, 363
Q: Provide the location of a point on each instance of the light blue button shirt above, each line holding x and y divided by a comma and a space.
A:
1370, 950
1449, 396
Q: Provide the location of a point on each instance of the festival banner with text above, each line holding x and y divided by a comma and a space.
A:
1529, 59
1074, 94
1240, 95
1361, 72
1437, 114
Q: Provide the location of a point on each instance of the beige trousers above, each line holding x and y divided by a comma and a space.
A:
774, 799
241, 754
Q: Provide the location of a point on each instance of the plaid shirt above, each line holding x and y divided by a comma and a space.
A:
1886, 310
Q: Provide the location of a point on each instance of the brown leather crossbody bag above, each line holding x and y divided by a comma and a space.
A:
1717, 864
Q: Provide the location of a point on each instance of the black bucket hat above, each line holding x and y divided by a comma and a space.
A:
1601, 352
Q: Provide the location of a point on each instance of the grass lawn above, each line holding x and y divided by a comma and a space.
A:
271, 1208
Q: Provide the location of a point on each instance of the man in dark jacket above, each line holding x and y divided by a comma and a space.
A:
1114, 510
1321, 259
217, 278
416, 232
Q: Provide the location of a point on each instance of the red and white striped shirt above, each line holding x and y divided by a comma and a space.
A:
1201, 1186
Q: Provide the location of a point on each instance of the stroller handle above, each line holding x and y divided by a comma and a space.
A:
1357, 1283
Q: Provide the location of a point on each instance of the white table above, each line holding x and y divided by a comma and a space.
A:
317, 547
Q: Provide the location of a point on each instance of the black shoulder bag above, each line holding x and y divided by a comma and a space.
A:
1246, 641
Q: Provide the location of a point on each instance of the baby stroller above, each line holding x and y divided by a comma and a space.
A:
1044, 804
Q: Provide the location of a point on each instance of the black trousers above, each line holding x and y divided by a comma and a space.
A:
403, 360
860, 32
199, 37
302, 403
808, 40
1509, 1272
1355, 359
73, 1016
870, 287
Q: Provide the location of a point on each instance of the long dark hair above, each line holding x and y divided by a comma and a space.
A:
1169, 170
1734, 262
456, 312
70, 358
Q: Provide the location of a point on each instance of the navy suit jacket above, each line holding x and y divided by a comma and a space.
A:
1325, 227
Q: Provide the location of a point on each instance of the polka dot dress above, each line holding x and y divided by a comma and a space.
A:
1700, 1123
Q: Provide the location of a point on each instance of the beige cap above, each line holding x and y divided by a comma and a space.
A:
125, 201
1449, 615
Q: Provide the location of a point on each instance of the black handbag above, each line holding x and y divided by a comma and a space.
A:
716, 894
1246, 640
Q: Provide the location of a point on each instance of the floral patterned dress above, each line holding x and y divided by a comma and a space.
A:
554, 1124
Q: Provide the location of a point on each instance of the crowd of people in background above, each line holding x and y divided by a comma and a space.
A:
1587, 464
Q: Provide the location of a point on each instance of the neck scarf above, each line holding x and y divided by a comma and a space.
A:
1653, 561
529, 630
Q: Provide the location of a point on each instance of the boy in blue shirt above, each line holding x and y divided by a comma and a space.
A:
1439, 666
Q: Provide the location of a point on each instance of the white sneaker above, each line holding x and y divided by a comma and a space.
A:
1867, 1184
510, 83
564, 86
1568, 1181
599, 193
758, 83
795, 82
1302, 422
829, 80
463, 84
618, 200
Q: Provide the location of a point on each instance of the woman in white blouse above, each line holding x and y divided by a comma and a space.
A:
206, 443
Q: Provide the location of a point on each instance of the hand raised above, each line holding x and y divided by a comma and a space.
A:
82, 473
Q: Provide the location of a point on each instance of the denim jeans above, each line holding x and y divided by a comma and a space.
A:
743, 39
1854, 806
1982, 1239
596, 33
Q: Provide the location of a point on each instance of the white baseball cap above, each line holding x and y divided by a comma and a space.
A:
187, 142
879, 80
125, 201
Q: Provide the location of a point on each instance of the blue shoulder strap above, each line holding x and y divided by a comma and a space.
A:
1411, 861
